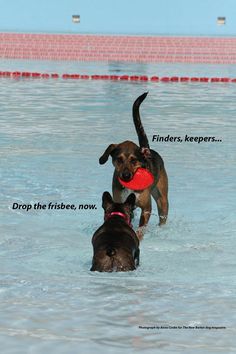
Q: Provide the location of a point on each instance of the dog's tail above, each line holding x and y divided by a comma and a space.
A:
111, 252
142, 137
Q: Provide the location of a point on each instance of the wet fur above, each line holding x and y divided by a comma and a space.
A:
127, 157
115, 244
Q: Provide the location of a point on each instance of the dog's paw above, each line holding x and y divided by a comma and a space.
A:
162, 219
140, 232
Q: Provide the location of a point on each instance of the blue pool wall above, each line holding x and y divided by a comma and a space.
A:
154, 17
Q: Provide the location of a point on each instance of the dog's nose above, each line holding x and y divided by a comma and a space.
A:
126, 176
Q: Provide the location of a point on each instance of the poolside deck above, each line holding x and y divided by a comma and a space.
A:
154, 49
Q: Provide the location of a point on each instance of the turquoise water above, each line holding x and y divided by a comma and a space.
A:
52, 133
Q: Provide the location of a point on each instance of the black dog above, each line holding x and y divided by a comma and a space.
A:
115, 244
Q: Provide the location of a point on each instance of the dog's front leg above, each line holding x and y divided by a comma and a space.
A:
145, 215
160, 194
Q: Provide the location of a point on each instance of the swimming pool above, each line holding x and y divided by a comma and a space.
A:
52, 134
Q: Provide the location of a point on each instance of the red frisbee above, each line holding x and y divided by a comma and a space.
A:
142, 179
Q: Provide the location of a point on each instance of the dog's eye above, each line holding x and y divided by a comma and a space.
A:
133, 161
119, 159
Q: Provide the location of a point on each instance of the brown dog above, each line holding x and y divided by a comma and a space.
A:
115, 244
127, 157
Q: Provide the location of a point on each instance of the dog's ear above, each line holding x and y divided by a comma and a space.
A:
146, 152
131, 200
106, 153
106, 200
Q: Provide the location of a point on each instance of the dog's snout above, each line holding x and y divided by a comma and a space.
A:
126, 175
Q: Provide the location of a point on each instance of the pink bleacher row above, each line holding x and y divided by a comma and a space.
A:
120, 48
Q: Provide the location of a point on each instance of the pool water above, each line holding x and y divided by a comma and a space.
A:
52, 133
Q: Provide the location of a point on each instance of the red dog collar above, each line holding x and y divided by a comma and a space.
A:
118, 213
